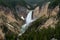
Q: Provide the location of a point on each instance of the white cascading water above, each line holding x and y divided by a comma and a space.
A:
28, 21
29, 17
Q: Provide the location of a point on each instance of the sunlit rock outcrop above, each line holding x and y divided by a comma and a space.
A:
54, 11
39, 12
52, 18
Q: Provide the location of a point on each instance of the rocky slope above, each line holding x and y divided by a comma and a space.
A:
8, 23
51, 14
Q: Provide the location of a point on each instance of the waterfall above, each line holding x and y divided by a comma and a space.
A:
28, 21
29, 17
